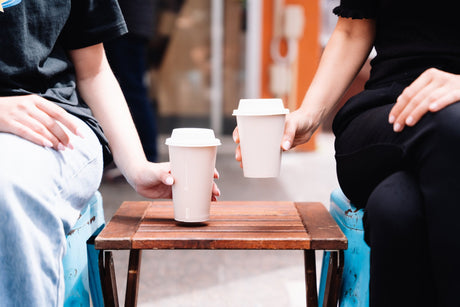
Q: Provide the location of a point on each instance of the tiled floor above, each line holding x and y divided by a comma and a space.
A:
232, 278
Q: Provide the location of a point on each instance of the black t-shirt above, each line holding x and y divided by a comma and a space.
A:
411, 36
35, 35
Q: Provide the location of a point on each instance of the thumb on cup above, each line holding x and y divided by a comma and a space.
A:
167, 179
288, 137
236, 136
286, 145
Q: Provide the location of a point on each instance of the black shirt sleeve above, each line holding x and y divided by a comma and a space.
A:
356, 9
92, 22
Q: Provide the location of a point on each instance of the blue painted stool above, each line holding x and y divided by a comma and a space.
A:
81, 270
354, 290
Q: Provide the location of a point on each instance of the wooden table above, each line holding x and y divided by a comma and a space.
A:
266, 225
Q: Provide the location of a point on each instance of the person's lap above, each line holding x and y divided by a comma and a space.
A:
368, 153
41, 194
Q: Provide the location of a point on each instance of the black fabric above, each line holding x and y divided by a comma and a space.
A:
35, 37
368, 155
91, 22
356, 9
412, 35
407, 181
395, 227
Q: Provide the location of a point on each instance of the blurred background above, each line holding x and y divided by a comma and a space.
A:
201, 57
204, 55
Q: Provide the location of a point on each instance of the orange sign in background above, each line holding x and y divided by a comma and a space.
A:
309, 51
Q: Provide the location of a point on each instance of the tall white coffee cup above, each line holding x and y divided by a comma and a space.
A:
261, 125
192, 154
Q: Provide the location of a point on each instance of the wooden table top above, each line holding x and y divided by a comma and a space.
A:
232, 225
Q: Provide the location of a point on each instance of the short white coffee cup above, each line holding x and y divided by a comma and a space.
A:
261, 125
192, 154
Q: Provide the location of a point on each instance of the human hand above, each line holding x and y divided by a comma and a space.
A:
37, 120
298, 129
154, 180
236, 139
432, 91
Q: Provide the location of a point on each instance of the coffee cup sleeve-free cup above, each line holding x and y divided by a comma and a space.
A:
261, 125
192, 154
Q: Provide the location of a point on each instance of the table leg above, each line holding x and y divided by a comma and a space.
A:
108, 281
334, 278
132, 284
310, 278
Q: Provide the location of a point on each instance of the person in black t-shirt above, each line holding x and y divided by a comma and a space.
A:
397, 142
62, 115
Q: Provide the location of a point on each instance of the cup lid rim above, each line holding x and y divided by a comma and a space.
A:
237, 112
181, 137
251, 107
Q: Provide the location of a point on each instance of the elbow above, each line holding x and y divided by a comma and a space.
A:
362, 30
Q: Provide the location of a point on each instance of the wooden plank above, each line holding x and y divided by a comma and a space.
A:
290, 243
169, 216
212, 236
239, 225
223, 227
217, 209
324, 231
163, 223
119, 231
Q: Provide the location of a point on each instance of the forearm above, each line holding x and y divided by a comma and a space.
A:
104, 97
342, 59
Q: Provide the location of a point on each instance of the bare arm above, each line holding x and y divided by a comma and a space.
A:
98, 87
342, 59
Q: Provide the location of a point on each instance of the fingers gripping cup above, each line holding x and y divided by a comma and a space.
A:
192, 153
261, 125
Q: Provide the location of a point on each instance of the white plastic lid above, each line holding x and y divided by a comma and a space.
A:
261, 106
192, 137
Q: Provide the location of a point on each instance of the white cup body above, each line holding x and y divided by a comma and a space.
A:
260, 142
193, 172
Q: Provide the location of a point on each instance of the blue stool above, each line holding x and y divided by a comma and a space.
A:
81, 270
354, 290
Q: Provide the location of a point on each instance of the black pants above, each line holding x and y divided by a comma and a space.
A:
409, 184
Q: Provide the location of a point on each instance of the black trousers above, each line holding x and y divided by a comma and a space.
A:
409, 184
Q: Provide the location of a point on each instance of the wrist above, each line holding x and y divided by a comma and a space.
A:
314, 115
133, 170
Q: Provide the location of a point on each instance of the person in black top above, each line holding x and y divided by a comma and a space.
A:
397, 142
62, 116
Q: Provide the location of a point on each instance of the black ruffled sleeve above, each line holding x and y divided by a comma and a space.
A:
357, 9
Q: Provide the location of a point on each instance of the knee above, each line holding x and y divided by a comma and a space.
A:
443, 125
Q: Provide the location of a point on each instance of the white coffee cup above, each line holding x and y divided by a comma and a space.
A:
192, 154
261, 126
